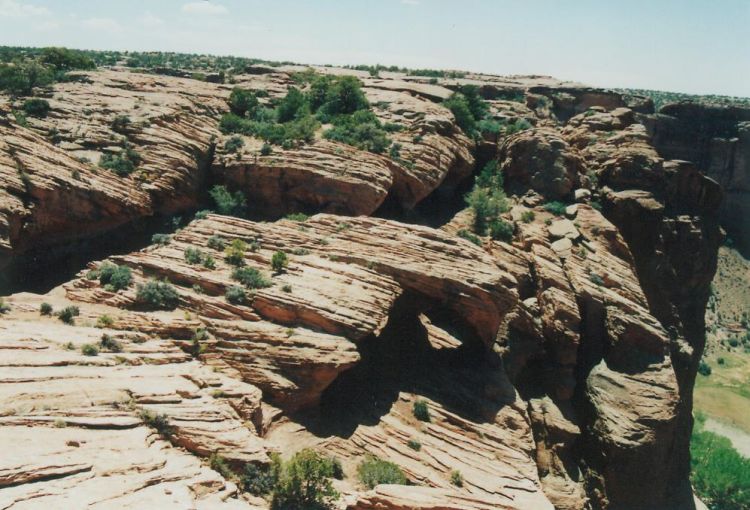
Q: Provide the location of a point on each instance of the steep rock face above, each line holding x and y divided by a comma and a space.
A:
664, 210
717, 140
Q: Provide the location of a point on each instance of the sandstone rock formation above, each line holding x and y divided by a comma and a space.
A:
557, 369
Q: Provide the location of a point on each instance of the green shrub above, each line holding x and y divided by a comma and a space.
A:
235, 253
487, 205
459, 106
719, 474
202, 215
4, 308
251, 278
259, 481
344, 96
209, 262
555, 207
89, 350
266, 150
219, 464
457, 478
304, 483
421, 411
108, 343
234, 144
216, 242
469, 236
374, 471
490, 176
528, 216
293, 105
243, 102
279, 262
720, 361
68, 314
193, 255
414, 445
123, 163
362, 130
501, 230
20, 78
158, 422
301, 217
156, 295
121, 124
36, 107
236, 295
105, 321
704, 368
230, 204
161, 239
113, 277
64, 59
45, 309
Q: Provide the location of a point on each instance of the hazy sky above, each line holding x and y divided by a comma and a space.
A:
698, 46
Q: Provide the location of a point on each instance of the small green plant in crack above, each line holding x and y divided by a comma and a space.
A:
45, 309
161, 239
216, 242
157, 295
421, 411
193, 255
457, 478
414, 445
374, 471
234, 254
159, 422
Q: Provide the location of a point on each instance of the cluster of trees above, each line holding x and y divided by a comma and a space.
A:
22, 70
661, 97
719, 474
295, 119
472, 114
431, 73
488, 201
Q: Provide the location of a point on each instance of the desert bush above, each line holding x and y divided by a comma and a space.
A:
209, 262
362, 130
279, 262
156, 295
528, 216
555, 207
121, 124
243, 102
459, 106
292, 106
89, 350
469, 236
704, 368
304, 483
259, 481
266, 150
414, 445
193, 255
236, 295
161, 239
216, 242
105, 321
235, 253
421, 411
36, 107
20, 78
123, 163
234, 144
301, 217
596, 279
158, 422
107, 343
501, 230
68, 314
374, 471
486, 204
457, 478
45, 309
251, 278
227, 203
113, 277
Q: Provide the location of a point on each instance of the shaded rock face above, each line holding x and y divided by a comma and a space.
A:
540, 159
557, 369
717, 140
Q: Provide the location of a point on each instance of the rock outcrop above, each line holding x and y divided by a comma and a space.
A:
556, 369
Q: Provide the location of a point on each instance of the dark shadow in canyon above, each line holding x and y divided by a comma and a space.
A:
402, 359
